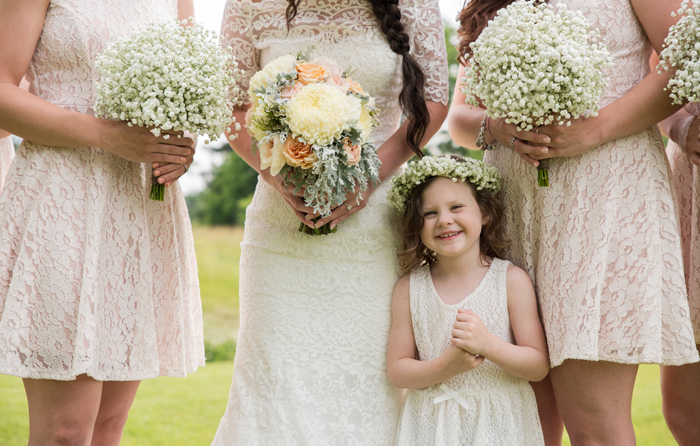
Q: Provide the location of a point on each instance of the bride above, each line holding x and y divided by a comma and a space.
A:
310, 367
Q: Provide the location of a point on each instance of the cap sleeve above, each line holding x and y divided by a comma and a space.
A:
428, 46
237, 33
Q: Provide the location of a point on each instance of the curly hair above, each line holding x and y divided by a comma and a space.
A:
472, 19
493, 241
412, 96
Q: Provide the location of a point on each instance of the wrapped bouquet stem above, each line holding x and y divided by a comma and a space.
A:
169, 78
536, 64
312, 125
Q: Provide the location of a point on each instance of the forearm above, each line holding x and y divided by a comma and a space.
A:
4, 134
409, 373
519, 360
464, 123
41, 122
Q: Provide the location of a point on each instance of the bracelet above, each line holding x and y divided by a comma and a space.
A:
481, 140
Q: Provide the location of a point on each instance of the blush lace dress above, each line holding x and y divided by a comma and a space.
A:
7, 153
485, 406
95, 278
310, 365
601, 243
686, 182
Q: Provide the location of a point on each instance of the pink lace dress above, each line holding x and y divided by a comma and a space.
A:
7, 153
95, 278
686, 183
601, 243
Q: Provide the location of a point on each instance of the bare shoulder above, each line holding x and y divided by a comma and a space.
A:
517, 277
402, 286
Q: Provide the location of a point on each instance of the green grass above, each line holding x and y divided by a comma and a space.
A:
186, 411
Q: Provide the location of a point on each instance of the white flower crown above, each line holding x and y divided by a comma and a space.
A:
478, 173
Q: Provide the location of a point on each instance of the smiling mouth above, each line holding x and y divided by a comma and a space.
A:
451, 234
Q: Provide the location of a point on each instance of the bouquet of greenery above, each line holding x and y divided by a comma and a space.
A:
169, 76
312, 125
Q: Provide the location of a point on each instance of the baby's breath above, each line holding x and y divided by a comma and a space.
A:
681, 49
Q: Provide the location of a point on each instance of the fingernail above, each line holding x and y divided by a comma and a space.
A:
544, 150
183, 159
319, 223
156, 172
547, 140
333, 225
309, 216
189, 152
161, 180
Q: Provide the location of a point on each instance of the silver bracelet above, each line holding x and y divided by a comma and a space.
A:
481, 139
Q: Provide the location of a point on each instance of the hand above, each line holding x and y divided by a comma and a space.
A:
459, 361
346, 209
571, 140
527, 144
140, 145
294, 201
692, 141
470, 333
169, 173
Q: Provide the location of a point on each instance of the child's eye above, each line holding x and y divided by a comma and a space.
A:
429, 214
457, 207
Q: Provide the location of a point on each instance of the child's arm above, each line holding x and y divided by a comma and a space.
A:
404, 369
528, 359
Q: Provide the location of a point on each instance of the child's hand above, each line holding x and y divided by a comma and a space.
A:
470, 333
459, 361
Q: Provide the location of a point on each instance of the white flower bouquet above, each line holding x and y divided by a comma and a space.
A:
170, 78
312, 125
536, 64
681, 51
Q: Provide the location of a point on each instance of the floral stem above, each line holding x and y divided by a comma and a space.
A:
157, 190
543, 174
323, 230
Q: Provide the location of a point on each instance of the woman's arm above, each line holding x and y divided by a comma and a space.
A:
528, 358
185, 9
402, 366
41, 122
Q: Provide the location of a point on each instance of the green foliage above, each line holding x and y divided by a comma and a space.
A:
220, 352
227, 194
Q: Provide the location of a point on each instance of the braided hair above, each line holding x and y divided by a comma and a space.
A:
412, 96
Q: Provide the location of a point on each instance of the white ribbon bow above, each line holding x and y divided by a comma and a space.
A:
450, 395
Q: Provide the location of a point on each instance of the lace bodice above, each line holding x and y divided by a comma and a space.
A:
348, 31
62, 70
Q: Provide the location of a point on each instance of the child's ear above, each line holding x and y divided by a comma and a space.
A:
485, 219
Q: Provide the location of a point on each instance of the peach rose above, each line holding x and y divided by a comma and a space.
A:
310, 73
299, 154
291, 90
355, 87
329, 64
353, 152
338, 82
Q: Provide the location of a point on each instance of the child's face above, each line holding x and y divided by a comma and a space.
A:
452, 219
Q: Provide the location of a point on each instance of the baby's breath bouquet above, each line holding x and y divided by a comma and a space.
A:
168, 77
312, 124
536, 64
681, 51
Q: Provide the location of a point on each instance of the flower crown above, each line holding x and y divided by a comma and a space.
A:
478, 173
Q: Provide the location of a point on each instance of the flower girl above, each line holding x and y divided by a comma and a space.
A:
465, 333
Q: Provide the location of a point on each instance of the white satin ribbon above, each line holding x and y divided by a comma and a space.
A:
450, 395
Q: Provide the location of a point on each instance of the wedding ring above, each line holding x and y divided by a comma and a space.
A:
512, 141
348, 206
185, 166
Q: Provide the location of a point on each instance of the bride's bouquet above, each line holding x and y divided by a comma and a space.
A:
312, 124
536, 64
168, 77
681, 52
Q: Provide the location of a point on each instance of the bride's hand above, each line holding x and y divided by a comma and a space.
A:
346, 209
528, 144
294, 201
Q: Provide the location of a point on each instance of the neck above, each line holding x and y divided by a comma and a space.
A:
449, 266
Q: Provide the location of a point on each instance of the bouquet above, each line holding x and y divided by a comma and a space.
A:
312, 124
536, 64
168, 77
681, 49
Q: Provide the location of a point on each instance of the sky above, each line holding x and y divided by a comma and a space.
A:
208, 13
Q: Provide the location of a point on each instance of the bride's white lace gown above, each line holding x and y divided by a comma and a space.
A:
95, 278
7, 153
601, 243
310, 365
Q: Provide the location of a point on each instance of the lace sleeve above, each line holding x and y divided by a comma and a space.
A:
237, 32
428, 46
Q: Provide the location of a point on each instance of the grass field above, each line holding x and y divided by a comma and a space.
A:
186, 411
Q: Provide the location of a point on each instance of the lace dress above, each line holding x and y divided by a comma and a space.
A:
95, 278
7, 153
601, 242
485, 406
686, 183
310, 365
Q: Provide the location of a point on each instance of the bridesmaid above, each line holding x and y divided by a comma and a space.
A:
601, 243
98, 284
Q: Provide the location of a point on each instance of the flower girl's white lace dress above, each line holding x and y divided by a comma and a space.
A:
95, 278
485, 406
310, 365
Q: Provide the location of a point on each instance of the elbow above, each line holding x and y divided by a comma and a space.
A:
395, 377
540, 372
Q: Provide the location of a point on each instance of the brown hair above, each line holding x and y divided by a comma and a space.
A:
493, 241
412, 96
473, 18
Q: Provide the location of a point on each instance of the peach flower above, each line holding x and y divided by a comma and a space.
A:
330, 65
290, 91
355, 87
353, 152
271, 155
299, 154
338, 82
310, 73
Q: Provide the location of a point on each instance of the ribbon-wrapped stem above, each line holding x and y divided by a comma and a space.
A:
543, 173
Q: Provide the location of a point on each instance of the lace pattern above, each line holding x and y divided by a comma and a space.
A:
601, 243
500, 408
95, 278
7, 153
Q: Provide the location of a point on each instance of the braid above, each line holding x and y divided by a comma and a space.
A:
412, 96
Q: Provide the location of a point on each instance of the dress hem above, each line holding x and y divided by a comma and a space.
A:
680, 360
71, 376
